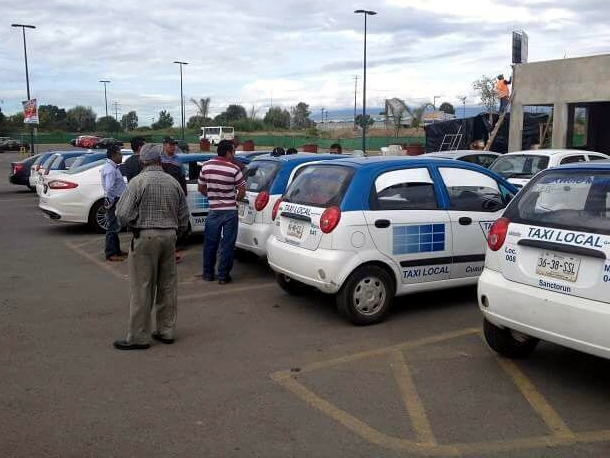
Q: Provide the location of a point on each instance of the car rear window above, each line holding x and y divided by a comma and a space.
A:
520, 165
49, 161
574, 200
319, 186
88, 166
260, 174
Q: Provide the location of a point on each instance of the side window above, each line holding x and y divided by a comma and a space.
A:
572, 159
408, 189
191, 171
472, 191
486, 160
69, 161
595, 157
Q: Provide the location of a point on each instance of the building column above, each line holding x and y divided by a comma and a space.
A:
515, 132
560, 125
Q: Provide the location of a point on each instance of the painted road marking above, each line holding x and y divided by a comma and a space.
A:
413, 403
426, 443
224, 290
96, 261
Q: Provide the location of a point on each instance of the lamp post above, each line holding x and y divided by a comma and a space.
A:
366, 13
105, 95
27, 76
181, 96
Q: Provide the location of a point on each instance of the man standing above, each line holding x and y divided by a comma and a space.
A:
114, 186
222, 182
170, 162
155, 208
131, 167
503, 92
335, 148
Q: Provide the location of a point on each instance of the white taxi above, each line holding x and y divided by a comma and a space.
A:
266, 181
368, 229
547, 270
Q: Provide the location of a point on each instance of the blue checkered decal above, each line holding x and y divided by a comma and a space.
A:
201, 202
423, 238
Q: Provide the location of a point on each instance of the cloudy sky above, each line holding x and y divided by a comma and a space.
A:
281, 52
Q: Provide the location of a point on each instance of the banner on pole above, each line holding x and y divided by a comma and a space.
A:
30, 112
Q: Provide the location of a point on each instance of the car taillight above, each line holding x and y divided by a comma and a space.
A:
497, 234
276, 206
60, 184
17, 168
329, 219
261, 201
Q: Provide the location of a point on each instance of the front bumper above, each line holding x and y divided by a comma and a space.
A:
574, 322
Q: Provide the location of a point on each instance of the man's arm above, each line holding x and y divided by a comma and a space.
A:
183, 215
126, 208
240, 185
202, 185
107, 181
203, 189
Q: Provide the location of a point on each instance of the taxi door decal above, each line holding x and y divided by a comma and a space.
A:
418, 238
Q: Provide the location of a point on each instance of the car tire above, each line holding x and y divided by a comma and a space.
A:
291, 286
506, 343
366, 296
97, 217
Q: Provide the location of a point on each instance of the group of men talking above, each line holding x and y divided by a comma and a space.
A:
152, 205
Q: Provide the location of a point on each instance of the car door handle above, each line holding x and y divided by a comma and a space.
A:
465, 220
382, 223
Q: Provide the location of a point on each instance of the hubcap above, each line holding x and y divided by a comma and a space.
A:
100, 217
369, 295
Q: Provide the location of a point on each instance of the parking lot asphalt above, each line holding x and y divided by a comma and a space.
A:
255, 372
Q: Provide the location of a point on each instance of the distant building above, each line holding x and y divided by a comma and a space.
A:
579, 94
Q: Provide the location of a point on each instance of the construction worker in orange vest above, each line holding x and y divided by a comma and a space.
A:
503, 91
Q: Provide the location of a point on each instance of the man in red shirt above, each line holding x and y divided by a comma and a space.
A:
222, 182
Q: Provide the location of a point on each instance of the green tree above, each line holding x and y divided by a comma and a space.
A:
2, 120
446, 107
197, 121
300, 116
364, 121
277, 118
165, 121
52, 117
417, 115
235, 113
108, 124
203, 107
80, 119
129, 121
485, 87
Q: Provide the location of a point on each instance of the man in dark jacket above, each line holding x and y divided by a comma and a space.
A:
131, 167
170, 162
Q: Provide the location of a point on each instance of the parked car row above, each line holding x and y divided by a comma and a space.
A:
8, 144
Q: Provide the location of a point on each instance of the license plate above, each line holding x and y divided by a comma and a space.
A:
558, 266
242, 210
295, 229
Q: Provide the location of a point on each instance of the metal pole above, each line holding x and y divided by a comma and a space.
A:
355, 91
105, 95
182, 111
364, 94
27, 76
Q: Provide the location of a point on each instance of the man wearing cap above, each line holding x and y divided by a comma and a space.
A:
503, 91
155, 209
170, 162
114, 186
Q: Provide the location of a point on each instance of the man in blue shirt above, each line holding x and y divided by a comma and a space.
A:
114, 186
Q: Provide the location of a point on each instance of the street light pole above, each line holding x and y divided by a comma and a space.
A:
181, 95
105, 96
366, 13
27, 76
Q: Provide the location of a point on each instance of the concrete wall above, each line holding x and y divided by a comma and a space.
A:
557, 83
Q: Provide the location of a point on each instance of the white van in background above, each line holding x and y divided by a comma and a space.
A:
215, 134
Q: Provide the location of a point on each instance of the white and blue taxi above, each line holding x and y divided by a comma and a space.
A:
369, 229
547, 270
266, 181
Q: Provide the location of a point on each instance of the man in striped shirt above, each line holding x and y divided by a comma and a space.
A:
222, 182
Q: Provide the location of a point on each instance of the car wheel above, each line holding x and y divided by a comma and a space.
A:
511, 344
366, 296
291, 286
97, 216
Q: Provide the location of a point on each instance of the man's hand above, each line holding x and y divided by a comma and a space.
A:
203, 189
241, 192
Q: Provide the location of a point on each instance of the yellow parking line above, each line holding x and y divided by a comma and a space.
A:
538, 402
224, 290
413, 403
96, 261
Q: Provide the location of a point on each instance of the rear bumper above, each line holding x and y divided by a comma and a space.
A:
574, 322
253, 237
57, 209
19, 180
322, 269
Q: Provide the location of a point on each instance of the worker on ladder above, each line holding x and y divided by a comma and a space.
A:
503, 92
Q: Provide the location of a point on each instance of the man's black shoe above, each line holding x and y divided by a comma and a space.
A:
162, 339
207, 278
224, 281
126, 345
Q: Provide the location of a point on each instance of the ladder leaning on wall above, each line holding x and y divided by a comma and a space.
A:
451, 141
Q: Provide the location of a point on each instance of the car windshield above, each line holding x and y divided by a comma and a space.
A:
574, 200
260, 174
520, 165
319, 186
88, 166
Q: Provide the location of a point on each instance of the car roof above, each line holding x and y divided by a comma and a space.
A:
460, 153
592, 165
549, 152
296, 158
